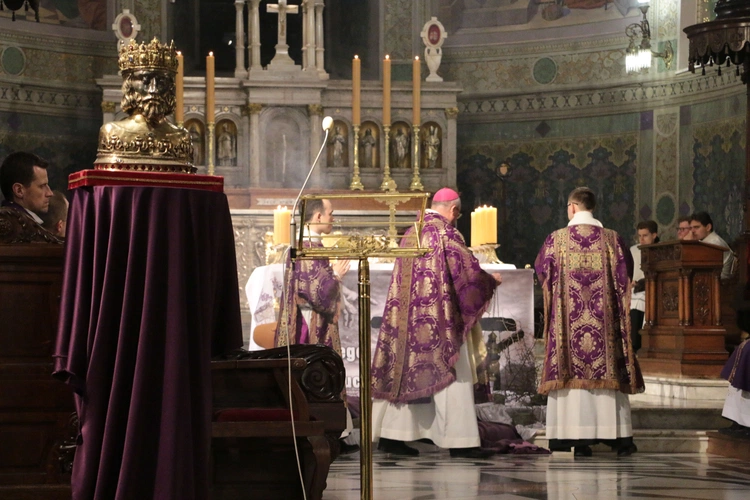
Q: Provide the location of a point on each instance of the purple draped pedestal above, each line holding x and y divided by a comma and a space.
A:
149, 296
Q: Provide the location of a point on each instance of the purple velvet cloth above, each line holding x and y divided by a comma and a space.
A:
311, 283
149, 295
503, 438
432, 304
737, 368
585, 273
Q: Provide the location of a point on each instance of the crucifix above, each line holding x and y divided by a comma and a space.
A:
282, 49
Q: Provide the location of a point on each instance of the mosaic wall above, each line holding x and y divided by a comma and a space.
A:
532, 198
69, 144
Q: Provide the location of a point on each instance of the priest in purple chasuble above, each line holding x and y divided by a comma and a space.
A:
422, 378
737, 403
309, 312
589, 366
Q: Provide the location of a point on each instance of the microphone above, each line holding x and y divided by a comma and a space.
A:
327, 124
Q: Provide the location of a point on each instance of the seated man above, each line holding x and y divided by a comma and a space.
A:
647, 234
24, 184
684, 232
703, 230
56, 219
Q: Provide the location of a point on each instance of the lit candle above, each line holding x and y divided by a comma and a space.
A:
356, 84
282, 218
387, 91
210, 88
416, 76
474, 234
493, 225
179, 103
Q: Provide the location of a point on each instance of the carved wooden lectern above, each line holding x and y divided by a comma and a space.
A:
683, 334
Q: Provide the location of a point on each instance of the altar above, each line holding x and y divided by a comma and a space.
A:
511, 312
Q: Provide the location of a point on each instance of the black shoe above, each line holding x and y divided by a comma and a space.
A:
395, 447
470, 453
626, 451
346, 449
582, 451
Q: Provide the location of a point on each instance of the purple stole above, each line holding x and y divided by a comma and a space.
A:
432, 304
311, 283
585, 274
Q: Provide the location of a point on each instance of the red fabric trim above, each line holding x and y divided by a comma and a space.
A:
145, 179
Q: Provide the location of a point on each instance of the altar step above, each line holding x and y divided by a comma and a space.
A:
667, 429
728, 446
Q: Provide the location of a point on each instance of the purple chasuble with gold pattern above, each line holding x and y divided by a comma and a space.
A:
311, 283
433, 302
585, 273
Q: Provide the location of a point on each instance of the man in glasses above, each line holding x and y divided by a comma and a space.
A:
684, 232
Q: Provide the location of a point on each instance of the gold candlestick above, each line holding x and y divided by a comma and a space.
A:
388, 183
356, 180
210, 144
416, 182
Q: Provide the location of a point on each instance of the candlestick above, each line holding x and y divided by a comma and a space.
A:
210, 84
356, 85
416, 76
179, 107
387, 91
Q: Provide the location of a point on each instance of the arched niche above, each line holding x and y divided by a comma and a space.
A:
369, 145
339, 142
226, 143
198, 135
400, 145
285, 144
431, 143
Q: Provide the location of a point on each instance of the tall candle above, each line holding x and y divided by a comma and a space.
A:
179, 101
416, 76
356, 85
474, 233
282, 218
387, 91
210, 98
493, 225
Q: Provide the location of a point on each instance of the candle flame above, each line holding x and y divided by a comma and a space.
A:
356, 56
179, 53
387, 56
211, 54
416, 58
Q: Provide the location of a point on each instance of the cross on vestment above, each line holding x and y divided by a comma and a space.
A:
282, 8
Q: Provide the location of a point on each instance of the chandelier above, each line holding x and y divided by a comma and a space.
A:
14, 5
638, 54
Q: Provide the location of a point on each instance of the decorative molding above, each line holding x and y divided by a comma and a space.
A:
254, 108
702, 298
45, 101
315, 110
451, 113
109, 107
670, 298
693, 89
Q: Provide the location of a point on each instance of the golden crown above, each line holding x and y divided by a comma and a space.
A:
148, 56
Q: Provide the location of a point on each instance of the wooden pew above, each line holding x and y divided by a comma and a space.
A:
253, 450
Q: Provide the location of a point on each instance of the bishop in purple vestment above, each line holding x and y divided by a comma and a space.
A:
590, 366
421, 377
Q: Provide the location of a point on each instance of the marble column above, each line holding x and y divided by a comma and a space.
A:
448, 151
254, 110
253, 28
319, 44
239, 50
309, 38
315, 112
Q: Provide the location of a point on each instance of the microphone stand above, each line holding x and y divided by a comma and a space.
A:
293, 222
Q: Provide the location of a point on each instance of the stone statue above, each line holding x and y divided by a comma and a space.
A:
400, 148
226, 147
339, 146
432, 146
368, 143
195, 136
145, 139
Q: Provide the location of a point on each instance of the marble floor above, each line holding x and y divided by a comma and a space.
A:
434, 475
